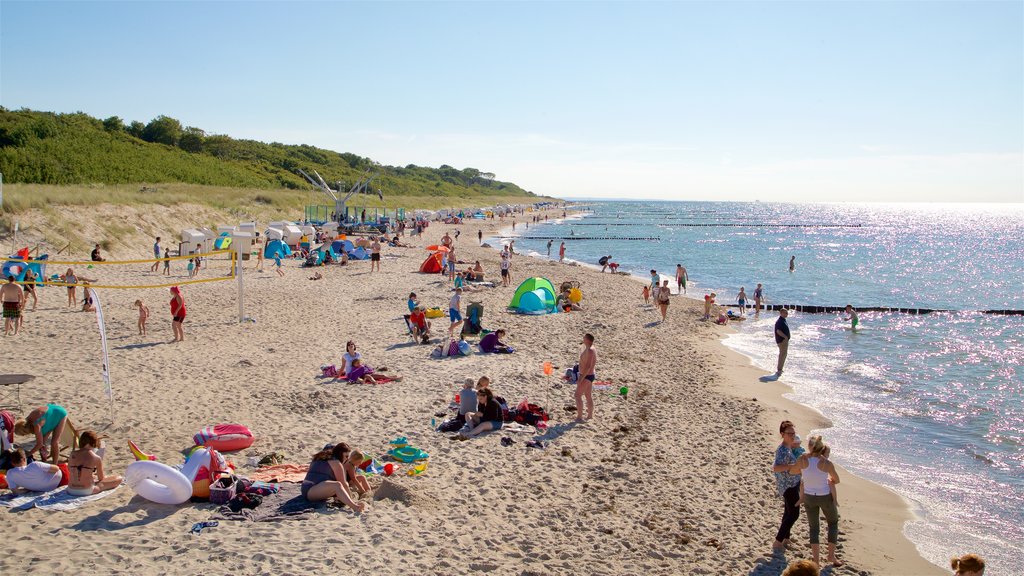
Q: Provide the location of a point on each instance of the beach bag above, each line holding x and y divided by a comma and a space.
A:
452, 424
223, 490
330, 371
257, 487
529, 414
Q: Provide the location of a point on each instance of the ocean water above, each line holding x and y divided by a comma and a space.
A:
930, 405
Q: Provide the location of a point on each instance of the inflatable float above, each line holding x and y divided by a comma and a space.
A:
158, 482
225, 437
408, 454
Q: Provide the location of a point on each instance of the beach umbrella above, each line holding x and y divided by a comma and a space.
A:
436, 248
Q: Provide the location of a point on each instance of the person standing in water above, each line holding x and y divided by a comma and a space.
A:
792, 263
741, 299
782, 339
758, 299
549, 248
561, 252
681, 277
854, 319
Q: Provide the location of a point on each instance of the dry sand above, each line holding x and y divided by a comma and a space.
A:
675, 479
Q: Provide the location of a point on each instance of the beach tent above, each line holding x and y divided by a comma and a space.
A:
432, 265
276, 248
19, 269
360, 254
529, 285
538, 301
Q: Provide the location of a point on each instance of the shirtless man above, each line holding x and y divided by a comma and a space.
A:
13, 298
585, 384
446, 240
375, 255
854, 319
681, 277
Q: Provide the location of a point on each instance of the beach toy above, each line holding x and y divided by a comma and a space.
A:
575, 295
389, 469
225, 437
139, 454
158, 482
548, 368
399, 442
457, 398
201, 468
623, 391
417, 469
408, 454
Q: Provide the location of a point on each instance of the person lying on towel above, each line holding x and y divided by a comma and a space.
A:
492, 343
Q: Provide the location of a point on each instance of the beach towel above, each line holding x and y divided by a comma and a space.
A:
280, 473
287, 504
57, 499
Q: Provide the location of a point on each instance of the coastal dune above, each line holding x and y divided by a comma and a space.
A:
673, 478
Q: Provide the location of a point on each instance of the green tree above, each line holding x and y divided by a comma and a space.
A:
163, 130
192, 140
136, 128
113, 124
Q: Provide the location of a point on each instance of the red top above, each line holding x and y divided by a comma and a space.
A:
176, 308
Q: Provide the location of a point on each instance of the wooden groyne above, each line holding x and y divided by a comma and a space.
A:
812, 309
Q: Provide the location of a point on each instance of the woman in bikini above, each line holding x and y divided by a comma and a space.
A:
70, 278
44, 422
86, 467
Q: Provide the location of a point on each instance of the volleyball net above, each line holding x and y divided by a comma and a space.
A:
216, 266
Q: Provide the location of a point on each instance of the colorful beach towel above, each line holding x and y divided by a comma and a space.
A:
287, 504
280, 473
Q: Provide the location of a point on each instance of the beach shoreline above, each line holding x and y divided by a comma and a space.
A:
675, 478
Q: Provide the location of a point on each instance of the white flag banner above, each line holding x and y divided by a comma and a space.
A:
103, 342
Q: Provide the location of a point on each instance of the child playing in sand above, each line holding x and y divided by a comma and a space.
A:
277, 264
709, 301
355, 479
143, 316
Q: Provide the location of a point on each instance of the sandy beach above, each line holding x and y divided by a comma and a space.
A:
673, 479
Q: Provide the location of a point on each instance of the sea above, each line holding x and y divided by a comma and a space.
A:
929, 405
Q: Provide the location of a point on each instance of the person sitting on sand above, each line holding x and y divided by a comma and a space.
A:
468, 400
86, 468
420, 325
87, 303
317, 276
45, 423
356, 480
492, 343
478, 272
37, 476
487, 417
325, 478
968, 565
364, 373
350, 355
564, 303
96, 257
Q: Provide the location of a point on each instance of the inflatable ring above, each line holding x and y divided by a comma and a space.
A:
225, 437
158, 482
408, 454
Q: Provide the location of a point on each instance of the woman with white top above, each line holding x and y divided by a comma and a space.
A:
817, 471
350, 355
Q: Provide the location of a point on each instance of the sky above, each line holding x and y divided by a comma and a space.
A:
910, 101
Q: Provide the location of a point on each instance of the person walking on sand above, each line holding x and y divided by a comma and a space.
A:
663, 297
561, 252
30, 288
167, 262
480, 236
585, 384
259, 257
277, 264
506, 272
375, 255
452, 264
455, 311
758, 299
156, 256
681, 277
792, 263
13, 298
782, 339
177, 314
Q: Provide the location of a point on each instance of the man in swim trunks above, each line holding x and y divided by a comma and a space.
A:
454, 311
375, 255
13, 298
854, 319
585, 385
681, 277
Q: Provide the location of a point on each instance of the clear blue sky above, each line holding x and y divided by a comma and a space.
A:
831, 101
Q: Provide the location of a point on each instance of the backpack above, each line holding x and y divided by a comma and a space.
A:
529, 414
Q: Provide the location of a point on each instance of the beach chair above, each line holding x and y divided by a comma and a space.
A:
474, 316
408, 327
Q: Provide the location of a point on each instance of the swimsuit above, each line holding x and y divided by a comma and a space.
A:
73, 491
12, 310
51, 418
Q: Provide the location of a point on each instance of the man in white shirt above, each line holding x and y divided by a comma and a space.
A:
37, 476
